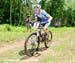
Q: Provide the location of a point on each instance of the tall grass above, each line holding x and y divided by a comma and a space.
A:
9, 33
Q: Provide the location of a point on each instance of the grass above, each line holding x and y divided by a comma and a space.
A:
60, 53
10, 33
63, 52
18, 54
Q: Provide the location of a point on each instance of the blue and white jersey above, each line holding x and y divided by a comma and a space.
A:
44, 16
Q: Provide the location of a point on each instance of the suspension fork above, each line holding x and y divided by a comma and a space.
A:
38, 39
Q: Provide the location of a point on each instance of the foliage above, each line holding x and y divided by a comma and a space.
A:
14, 11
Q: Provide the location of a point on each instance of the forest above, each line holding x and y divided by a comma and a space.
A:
14, 12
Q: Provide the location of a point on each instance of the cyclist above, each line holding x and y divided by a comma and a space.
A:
28, 22
44, 16
28, 19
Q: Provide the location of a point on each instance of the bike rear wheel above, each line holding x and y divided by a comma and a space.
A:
31, 44
50, 36
48, 40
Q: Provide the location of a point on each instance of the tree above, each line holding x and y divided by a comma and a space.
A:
10, 12
63, 10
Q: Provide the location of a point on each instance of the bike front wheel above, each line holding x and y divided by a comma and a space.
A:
30, 45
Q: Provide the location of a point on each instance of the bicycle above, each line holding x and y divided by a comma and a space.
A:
32, 42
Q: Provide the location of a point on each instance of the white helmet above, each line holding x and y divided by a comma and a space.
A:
37, 6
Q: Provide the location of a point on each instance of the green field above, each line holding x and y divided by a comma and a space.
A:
10, 33
62, 49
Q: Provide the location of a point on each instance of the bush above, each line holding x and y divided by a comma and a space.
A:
5, 27
8, 27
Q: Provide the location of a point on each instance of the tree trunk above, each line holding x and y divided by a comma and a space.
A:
10, 13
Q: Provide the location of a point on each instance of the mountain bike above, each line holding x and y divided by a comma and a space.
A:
33, 41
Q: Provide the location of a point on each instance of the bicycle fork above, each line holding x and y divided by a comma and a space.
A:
38, 39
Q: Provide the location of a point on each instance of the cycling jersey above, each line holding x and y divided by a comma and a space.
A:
44, 17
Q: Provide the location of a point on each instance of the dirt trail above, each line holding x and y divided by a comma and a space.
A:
19, 43
36, 59
6, 47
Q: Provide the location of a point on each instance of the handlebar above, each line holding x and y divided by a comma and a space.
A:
37, 24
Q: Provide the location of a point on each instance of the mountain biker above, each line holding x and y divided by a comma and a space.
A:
28, 19
44, 16
28, 22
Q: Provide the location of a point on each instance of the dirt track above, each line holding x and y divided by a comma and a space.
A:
35, 59
6, 47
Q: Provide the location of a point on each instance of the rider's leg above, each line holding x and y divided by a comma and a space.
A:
47, 32
27, 26
46, 27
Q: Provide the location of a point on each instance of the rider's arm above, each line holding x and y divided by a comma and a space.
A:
47, 15
35, 18
50, 18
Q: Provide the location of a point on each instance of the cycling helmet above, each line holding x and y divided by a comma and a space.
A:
37, 6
